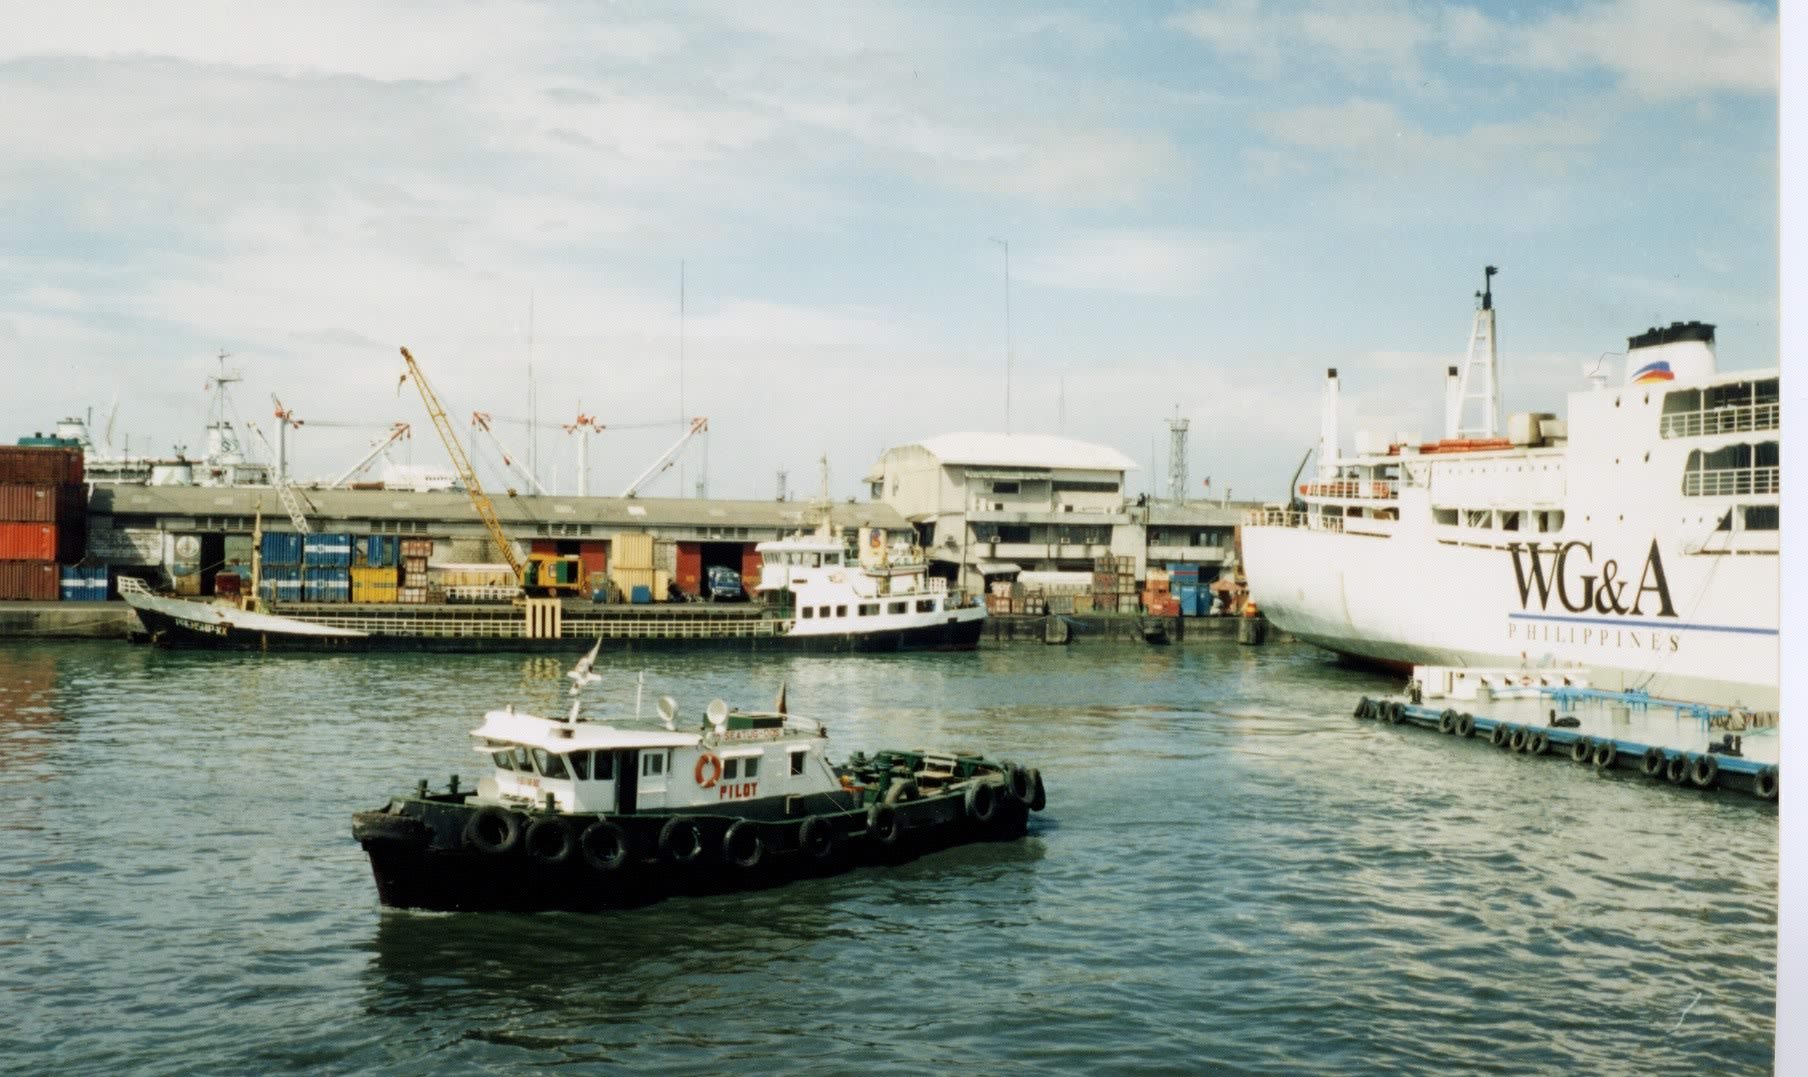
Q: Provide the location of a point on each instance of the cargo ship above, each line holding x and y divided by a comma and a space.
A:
1637, 537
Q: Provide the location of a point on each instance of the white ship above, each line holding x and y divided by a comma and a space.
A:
1637, 538
881, 599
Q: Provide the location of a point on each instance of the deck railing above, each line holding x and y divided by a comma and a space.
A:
1731, 482
440, 625
1738, 419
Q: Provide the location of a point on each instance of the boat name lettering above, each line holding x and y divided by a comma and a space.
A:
752, 734
1560, 568
738, 791
202, 626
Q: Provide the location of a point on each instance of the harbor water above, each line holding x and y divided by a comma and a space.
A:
1232, 875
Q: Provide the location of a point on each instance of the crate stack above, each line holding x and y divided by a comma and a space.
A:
281, 570
374, 568
1114, 584
43, 521
1158, 599
413, 554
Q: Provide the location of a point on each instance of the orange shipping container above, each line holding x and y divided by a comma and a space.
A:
42, 504
30, 581
28, 542
39, 465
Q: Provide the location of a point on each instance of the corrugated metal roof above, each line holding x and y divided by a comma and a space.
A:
611, 513
1026, 450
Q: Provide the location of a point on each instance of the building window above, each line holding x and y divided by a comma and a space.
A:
1077, 486
1005, 487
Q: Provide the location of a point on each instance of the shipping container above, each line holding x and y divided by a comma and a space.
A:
417, 547
327, 550
413, 596
29, 542
327, 583
377, 551
689, 568
594, 557
235, 550
280, 590
627, 579
43, 504
226, 583
282, 548
752, 565
374, 583
40, 466
632, 551
30, 581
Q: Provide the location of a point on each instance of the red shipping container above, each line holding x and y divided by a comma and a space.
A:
42, 504
593, 558
750, 569
690, 568
39, 465
28, 542
30, 581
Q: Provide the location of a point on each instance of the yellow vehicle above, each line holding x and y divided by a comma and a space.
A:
552, 575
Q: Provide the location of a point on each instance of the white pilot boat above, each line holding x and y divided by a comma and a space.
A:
581, 814
878, 598
1638, 538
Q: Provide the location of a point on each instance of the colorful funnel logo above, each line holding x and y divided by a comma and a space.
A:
1654, 371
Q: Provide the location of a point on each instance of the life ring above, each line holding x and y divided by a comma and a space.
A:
1362, 708
1581, 749
708, 761
1607, 753
817, 837
882, 824
604, 845
1765, 784
876, 539
1651, 765
1500, 734
548, 840
742, 845
1527, 681
982, 802
1704, 770
493, 831
680, 840
1465, 726
1676, 768
1038, 796
1447, 722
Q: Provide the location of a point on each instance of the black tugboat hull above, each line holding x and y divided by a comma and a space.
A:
421, 857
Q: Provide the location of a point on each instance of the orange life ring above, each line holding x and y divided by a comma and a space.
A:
1526, 681
876, 539
713, 765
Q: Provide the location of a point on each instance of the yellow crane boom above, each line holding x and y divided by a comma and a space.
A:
466, 473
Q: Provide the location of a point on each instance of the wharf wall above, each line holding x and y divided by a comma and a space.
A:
68, 620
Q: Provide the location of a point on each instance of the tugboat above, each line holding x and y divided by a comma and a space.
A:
578, 814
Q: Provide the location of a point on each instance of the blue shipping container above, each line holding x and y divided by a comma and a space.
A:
281, 548
280, 590
328, 550
642, 594
378, 551
78, 584
326, 584
1188, 594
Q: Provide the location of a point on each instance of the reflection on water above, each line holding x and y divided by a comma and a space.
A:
1232, 873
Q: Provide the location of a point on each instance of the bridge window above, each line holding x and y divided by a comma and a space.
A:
652, 765
897, 607
553, 766
1761, 517
925, 605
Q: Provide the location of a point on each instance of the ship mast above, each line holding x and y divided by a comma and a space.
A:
1480, 381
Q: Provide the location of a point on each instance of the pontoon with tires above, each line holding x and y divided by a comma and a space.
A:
582, 814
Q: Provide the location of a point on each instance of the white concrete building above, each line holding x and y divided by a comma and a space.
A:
994, 504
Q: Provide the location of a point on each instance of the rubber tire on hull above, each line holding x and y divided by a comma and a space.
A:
1362, 708
1704, 771
1465, 726
1517, 742
1538, 742
1607, 753
603, 845
1676, 768
1038, 795
882, 825
982, 802
817, 838
1581, 750
742, 845
1447, 722
1500, 735
681, 840
901, 791
548, 839
1019, 784
481, 834
1651, 764
1766, 784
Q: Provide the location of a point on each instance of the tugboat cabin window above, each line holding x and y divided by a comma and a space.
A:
522, 762
580, 766
797, 763
652, 765
1761, 517
831, 559
504, 760
602, 767
737, 767
553, 766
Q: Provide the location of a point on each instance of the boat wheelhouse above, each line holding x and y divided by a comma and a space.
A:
879, 596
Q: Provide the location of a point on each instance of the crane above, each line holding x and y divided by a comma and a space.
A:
582, 426
290, 502
396, 433
479, 500
698, 426
481, 420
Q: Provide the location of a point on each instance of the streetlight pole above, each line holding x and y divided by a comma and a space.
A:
1008, 350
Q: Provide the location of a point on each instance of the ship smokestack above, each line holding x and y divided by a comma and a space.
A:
1327, 436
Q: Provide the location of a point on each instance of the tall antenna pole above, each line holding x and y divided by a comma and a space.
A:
1177, 458
533, 398
1008, 349
1481, 370
681, 411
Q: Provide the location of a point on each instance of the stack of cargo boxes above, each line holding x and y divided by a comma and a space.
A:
326, 562
235, 566
1114, 583
413, 553
281, 570
1183, 583
375, 562
1158, 600
43, 523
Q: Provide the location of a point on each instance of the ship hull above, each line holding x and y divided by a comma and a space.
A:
1403, 600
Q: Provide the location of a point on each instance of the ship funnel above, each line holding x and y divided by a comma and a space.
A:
1684, 350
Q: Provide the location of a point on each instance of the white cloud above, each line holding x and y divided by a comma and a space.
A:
1134, 262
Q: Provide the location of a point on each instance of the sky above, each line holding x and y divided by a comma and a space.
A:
837, 228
